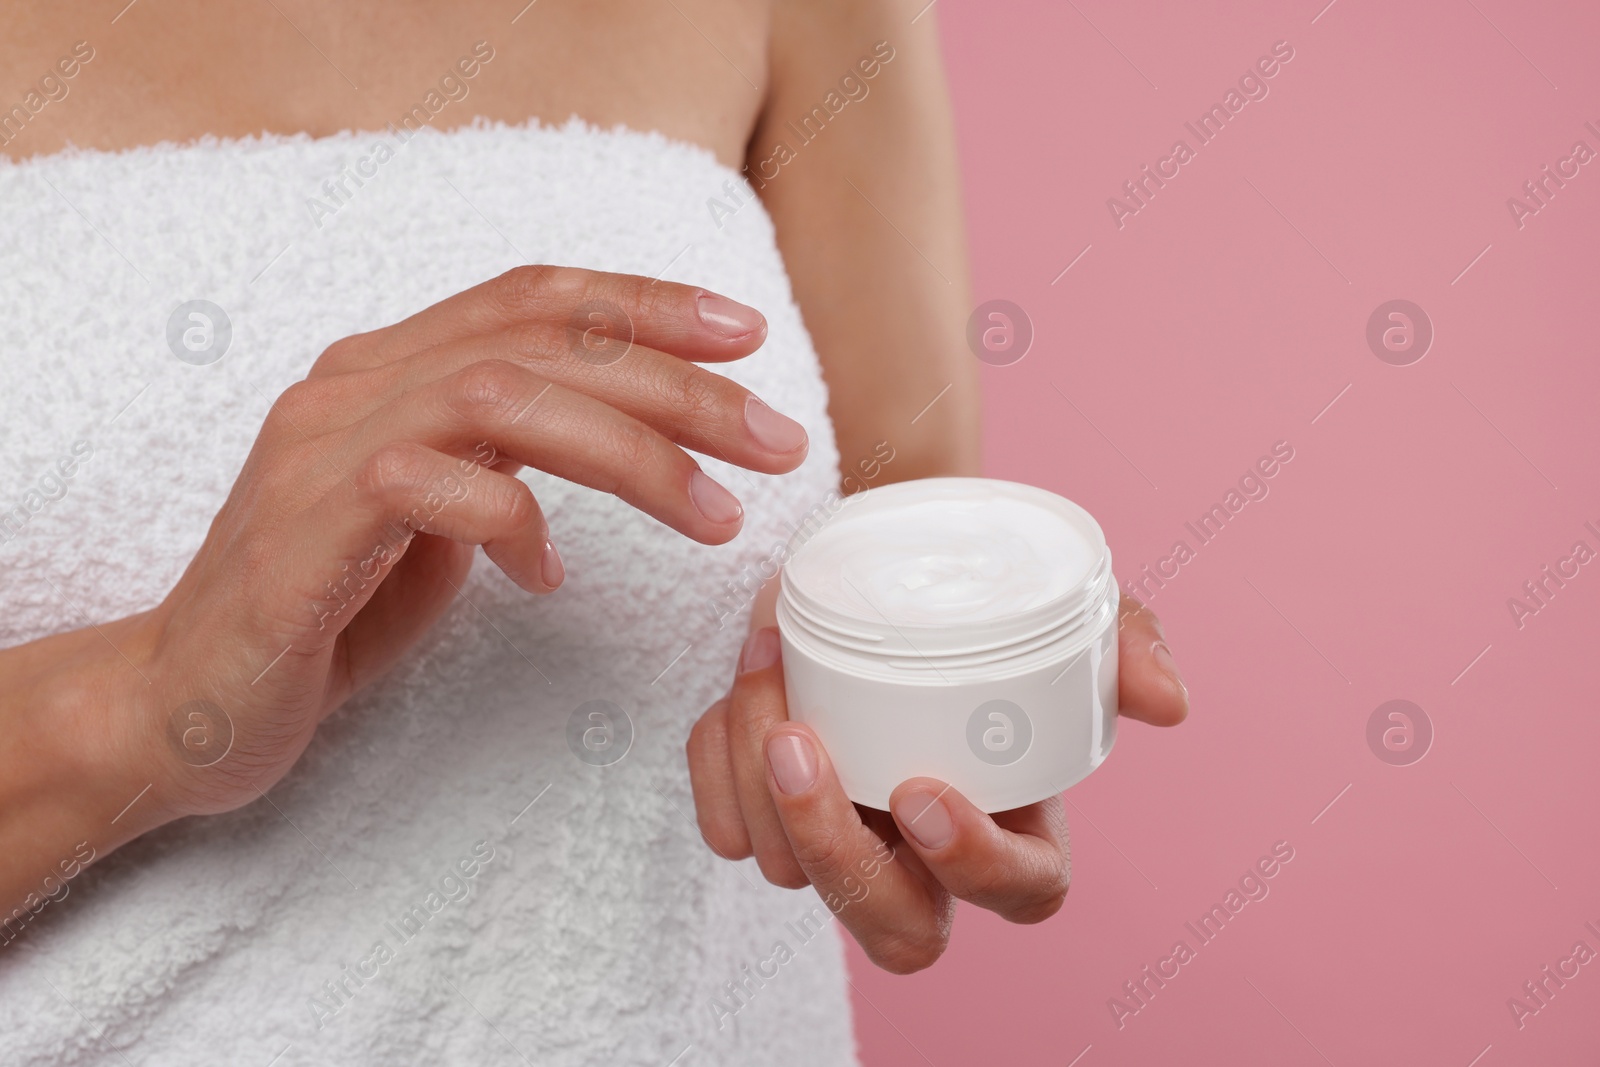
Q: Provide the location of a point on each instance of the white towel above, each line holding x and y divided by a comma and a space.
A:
601, 930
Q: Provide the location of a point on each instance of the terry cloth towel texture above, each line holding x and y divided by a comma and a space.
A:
596, 927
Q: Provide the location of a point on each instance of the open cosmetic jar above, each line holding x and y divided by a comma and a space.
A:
963, 629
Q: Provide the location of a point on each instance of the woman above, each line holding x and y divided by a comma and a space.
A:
491, 851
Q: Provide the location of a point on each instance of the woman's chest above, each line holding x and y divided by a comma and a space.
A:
182, 69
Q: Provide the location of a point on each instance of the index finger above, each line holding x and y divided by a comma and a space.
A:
682, 320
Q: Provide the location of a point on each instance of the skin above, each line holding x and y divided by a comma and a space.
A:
432, 408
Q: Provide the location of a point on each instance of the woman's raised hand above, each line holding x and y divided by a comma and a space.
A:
353, 521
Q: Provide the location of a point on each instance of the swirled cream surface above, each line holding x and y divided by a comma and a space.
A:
950, 551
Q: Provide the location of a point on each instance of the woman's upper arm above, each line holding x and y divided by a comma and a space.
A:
854, 156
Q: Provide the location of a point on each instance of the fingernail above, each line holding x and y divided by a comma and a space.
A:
760, 650
713, 501
727, 317
924, 817
794, 764
1163, 656
551, 569
774, 432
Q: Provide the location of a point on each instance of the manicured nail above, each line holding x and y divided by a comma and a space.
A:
713, 501
760, 650
1163, 656
774, 432
727, 317
924, 817
794, 764
551, 569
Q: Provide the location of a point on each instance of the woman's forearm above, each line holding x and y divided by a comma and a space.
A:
73, 785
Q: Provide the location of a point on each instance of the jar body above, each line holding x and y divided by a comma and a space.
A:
1003, 738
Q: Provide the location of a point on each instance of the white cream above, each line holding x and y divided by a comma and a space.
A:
943, 554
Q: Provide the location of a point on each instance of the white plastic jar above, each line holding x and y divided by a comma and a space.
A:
963, 629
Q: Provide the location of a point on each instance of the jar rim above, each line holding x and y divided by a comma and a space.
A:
1070, 618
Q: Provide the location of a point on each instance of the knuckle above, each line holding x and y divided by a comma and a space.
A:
1045, 902
593, 287
485, 389
635, 449
706, 731
344, 354
726, 844
723, 835
752, 713
519, 507
720, 824
530, 292
393, 470
609, 302
990, 882
652, 299
701, 396
1031, 897
903, 953
826, 855
254, 555
533, 344
698, 733
520, 290
303, 403
780, 868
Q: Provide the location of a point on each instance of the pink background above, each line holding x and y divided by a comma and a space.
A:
1222, 318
